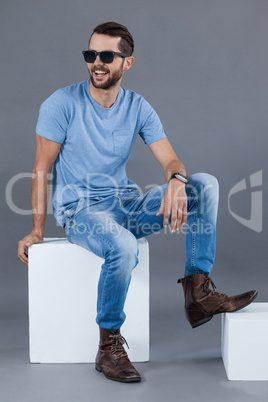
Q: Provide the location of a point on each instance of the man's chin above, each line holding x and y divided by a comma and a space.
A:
102, 85
98, 85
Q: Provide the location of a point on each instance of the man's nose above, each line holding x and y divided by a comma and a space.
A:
98, 60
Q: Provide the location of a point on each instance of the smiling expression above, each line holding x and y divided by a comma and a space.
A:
105, 76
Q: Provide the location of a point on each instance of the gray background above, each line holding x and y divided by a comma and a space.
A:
203, 66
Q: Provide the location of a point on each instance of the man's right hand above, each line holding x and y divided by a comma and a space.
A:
32, 238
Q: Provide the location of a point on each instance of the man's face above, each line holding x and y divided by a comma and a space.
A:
105, 76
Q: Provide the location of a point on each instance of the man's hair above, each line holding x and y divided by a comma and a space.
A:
126, 44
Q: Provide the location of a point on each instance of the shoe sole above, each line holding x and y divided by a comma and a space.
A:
99, 369
195, 324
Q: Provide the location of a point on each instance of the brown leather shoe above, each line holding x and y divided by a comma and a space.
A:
112, 359
201, 303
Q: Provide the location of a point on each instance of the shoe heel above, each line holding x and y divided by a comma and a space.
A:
202, 321
98, 368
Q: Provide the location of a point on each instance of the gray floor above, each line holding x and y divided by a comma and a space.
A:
185, 365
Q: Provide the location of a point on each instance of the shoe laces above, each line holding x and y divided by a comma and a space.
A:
117, 348
207, 284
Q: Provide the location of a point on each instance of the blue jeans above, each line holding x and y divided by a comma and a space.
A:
110, 226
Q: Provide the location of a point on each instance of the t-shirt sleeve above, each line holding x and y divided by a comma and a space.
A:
53, 117
151, 127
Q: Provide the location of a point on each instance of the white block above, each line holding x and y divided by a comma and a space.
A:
63, 279
244, 343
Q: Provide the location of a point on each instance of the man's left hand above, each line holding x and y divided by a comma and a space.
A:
174, 202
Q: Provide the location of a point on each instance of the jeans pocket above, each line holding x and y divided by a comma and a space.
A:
80, 206
69, 213
72, 211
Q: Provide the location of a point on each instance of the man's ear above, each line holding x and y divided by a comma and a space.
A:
128, 62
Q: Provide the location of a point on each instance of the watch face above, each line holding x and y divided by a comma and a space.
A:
181, 178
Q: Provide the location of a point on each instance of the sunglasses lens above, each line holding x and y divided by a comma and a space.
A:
106, 57
89, 56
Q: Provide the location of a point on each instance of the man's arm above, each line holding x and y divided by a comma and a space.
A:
46, 154
174, 201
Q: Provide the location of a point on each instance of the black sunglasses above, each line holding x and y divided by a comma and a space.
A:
106, 56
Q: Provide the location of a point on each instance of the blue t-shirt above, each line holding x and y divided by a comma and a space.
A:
96, 142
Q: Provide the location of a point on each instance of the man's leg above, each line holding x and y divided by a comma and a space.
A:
96, 228
201, 303
202, 206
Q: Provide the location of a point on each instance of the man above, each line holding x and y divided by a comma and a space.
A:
87, 132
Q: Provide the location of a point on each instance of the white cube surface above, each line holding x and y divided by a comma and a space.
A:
244, 343
63, 280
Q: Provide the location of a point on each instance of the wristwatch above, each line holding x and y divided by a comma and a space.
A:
180, 177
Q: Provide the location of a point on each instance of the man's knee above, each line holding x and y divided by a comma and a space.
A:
203, 192
204, 182
126, 249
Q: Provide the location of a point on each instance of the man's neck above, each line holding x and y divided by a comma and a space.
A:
104, 97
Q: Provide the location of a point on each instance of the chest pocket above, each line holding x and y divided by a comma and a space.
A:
122, 142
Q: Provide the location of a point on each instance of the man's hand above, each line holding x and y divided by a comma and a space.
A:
174, 202
46, 154
32, 238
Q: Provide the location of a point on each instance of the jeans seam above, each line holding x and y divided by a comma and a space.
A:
103, 288
193, 241
194, 233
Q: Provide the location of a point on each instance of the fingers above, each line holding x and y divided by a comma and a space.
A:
178, 215
165, 208
175, 219
184, 214
174, 206
28, 241
161, 209
21, 251
167, 211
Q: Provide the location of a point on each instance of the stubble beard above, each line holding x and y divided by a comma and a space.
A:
112, 81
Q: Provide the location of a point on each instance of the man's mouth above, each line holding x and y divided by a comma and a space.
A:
100, 73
